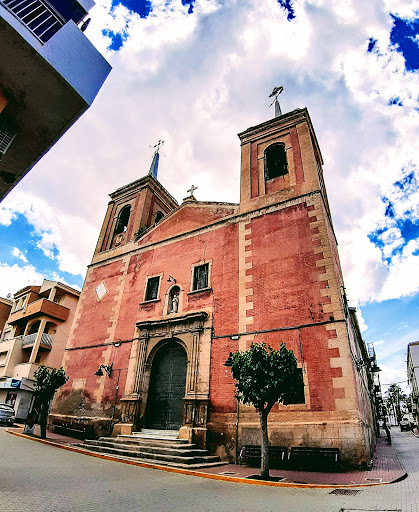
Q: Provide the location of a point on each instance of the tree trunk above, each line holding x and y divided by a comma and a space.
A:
43, 420
398, 412
264, 467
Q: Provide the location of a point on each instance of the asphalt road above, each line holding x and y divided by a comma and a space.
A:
39, 478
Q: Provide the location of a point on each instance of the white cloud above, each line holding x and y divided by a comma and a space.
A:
380, 342
71, 236
13, 278
19, 254
403, 277
390, 375
197, 80
361, 320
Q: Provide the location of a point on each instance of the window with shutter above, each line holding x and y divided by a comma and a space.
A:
296, 395
200, 278
152, 288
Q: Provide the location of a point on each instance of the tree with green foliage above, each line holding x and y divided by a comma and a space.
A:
396, 397
265, 376
47, 381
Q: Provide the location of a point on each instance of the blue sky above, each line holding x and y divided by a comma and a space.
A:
197, 72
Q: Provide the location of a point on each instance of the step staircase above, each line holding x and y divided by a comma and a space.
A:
160, 447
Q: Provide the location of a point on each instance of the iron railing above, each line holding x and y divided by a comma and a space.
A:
6, 138
37, 15
46, 339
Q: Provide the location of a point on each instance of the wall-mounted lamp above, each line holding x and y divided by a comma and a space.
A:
85, 24
171, 280
108, 370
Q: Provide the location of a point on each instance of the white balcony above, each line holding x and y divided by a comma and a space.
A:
38, 16
54, 73
25, 370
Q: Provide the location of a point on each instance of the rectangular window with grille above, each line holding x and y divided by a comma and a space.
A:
6, 138
200, 277
3, 357
152, 288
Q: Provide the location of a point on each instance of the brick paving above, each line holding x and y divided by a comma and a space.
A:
386, 467
42, 478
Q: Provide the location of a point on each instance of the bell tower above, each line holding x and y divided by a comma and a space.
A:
133, 209
280, 160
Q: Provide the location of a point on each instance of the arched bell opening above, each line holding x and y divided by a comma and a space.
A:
119, 234
158, 217
276, 165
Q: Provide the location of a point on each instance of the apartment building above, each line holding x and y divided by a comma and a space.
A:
35, 334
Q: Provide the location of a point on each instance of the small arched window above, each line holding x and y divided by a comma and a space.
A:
123, 219
158, 217
275, 162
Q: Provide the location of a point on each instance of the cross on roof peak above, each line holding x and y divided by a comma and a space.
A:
157, 146
191, 190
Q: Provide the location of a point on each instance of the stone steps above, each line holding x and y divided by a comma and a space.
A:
179, 444
157, 434
168, 451
182, 451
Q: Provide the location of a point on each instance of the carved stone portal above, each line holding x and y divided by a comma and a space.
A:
193, 332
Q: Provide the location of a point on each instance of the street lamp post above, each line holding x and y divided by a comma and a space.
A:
109, 369
228, 364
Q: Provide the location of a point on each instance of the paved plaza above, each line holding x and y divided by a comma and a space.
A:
41, 478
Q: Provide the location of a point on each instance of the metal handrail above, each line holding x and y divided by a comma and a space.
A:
38, 16
46, 339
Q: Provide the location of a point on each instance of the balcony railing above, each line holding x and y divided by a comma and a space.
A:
40, 307
37, 15
46, 339
371, 351
6, 138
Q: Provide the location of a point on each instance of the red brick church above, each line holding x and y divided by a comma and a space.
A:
173, 289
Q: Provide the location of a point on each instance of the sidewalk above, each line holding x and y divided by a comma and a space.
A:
386, 467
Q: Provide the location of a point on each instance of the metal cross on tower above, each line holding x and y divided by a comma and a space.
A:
155, 162
191, 190
274, 94
157, 146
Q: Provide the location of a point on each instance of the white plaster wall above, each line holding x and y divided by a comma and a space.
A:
77, 60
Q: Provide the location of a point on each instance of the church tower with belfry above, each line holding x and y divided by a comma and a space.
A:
173, 289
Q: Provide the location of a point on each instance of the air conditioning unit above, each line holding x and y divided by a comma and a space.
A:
6, 138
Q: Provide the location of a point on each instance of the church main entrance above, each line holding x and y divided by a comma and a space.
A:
167, 388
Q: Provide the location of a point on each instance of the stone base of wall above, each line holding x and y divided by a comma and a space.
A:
100, 426
346, 435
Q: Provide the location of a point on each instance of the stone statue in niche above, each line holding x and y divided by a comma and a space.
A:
175, 303
173, 300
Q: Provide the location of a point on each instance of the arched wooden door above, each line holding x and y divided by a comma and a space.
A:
167, 388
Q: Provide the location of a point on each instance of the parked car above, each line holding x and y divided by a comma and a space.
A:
407, 422
7, 414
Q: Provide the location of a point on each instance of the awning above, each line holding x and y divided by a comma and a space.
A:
24, 384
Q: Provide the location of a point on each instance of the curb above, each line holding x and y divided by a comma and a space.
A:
199, 473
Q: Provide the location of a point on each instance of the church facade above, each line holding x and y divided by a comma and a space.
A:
173, 289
